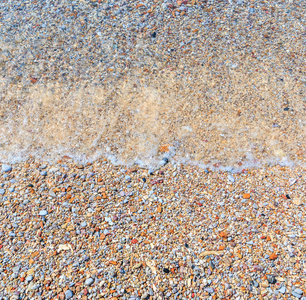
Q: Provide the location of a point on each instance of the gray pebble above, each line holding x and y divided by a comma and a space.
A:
6, 168
2, 191
52, 194
296, 295
282, 290
271, 279
89, 281
43, 212
16, 269
298, 291
68, 294
209, 290
29, 278
231, 178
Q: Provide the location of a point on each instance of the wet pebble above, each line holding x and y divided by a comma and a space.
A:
6, 168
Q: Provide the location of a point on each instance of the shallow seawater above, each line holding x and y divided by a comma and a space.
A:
86, 81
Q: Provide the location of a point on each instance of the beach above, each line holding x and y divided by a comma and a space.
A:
152, 150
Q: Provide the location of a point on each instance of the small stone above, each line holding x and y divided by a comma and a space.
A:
43, 212
68, 294
258, 268
89, 281
295, 294
43, 173
255, 283
282, 290
164, 161
52, 194
298, 291
273, 256
6, 168
231, 178
209, 290
211, 264
297, 201
271, 279
137, 266
246, 196
265, 284
228, 261
29, 278
83, 224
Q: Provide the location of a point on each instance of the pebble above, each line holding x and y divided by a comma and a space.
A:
297, 295
29, 278
231, 178
271, 279
298, 291
89, 281
68, 294
282, 290
6, 168
43, 212
209, 290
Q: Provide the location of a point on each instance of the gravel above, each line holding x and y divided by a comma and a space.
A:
192, 234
